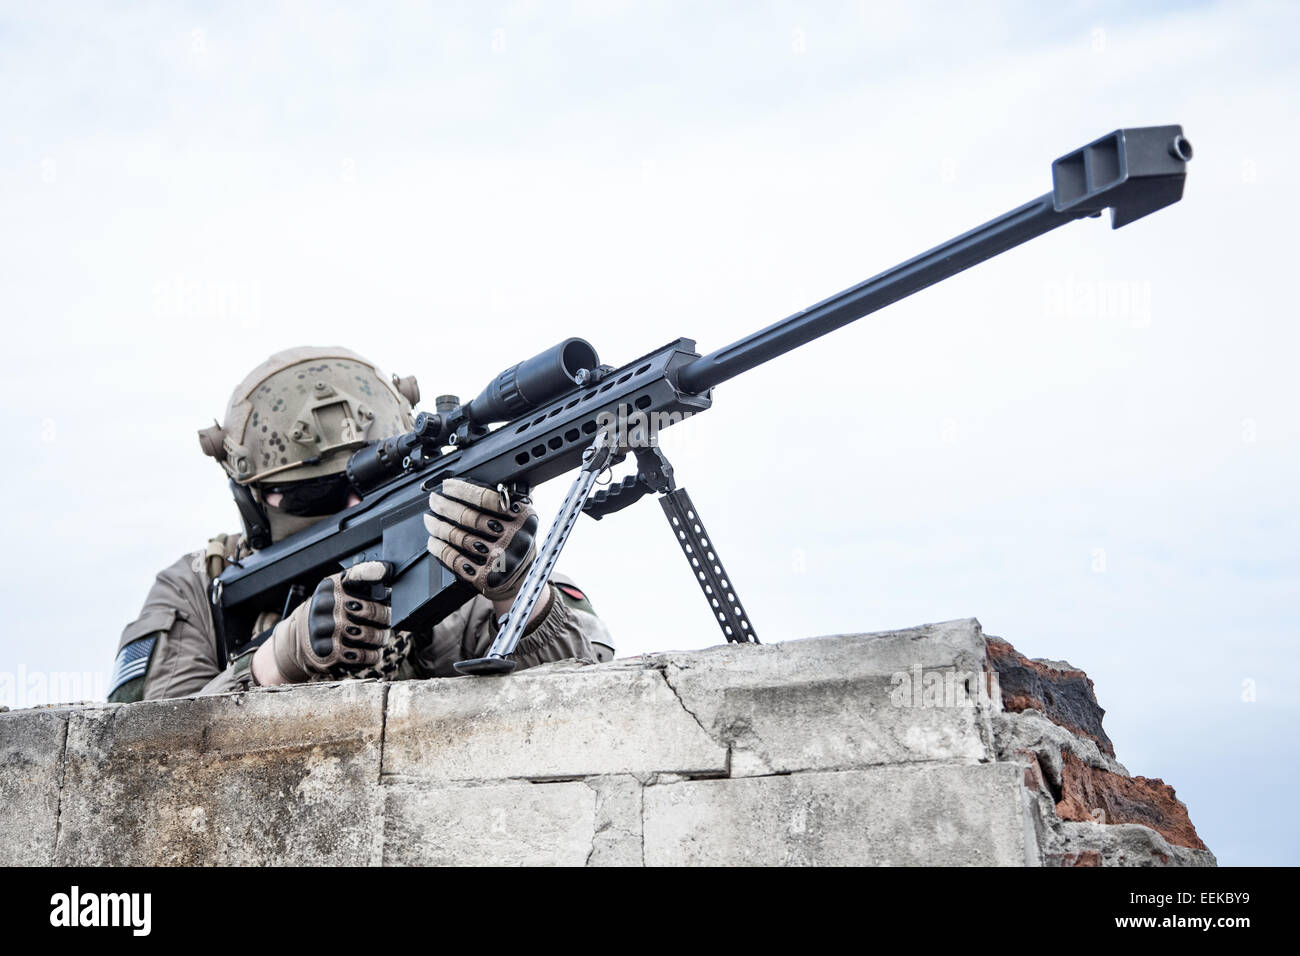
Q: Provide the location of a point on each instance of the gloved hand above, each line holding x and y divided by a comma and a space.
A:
480, 538
343, 627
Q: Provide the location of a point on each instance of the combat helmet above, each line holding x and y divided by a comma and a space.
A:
299, 416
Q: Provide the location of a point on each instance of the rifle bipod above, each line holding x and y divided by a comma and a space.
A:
654, 474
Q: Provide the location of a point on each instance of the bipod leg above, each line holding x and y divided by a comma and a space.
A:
707, 566
510, 628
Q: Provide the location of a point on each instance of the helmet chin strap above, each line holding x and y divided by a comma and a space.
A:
258, 530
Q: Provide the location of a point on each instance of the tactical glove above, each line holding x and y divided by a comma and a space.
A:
342, 628
482, 536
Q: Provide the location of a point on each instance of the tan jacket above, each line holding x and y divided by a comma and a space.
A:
172, 645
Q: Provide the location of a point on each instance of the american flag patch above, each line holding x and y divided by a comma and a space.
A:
132, 661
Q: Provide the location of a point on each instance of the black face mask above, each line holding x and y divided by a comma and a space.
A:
313, 497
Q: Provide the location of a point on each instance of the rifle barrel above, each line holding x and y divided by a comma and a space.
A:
998, 235
1132, 171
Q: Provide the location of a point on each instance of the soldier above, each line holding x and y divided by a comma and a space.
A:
290, 428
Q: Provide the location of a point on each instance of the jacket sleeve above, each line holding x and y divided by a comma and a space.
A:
564, 632
170, 649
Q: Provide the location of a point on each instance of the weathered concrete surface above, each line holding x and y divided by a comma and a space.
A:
512, 825
1124, 844
31, 758
825, 704
562, 721
282, 777
620, 811
887, 748
916, 815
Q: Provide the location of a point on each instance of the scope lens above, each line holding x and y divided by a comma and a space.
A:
578, 355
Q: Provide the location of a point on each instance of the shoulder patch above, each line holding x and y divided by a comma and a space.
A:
132, 662
574, 597
572, 592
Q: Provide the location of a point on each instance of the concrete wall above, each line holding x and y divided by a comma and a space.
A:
865, 749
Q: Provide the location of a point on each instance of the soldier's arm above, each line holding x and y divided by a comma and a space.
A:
584, 616
169, 650
567, 628
487, 539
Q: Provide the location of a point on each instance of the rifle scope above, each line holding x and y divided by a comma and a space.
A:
532, 383
371, 466
516, 391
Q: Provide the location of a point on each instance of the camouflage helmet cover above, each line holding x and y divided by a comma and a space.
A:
303, 411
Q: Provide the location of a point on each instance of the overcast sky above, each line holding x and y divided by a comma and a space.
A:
1089, 443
